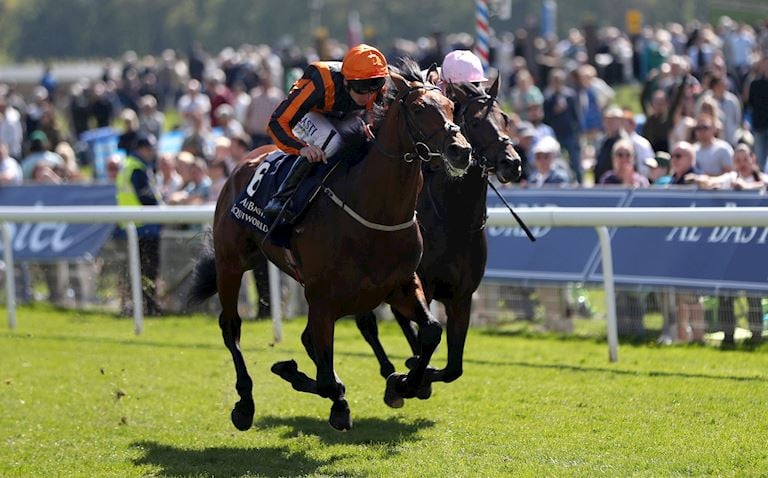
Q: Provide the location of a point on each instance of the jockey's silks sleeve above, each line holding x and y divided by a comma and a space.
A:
310, 93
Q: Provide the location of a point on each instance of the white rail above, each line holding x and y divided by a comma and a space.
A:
599, 218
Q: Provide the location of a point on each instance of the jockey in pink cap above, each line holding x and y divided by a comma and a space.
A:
462, 66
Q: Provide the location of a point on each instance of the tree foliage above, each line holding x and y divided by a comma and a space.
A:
43, 29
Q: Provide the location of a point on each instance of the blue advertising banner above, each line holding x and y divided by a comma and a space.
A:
559, 254
41, 242
720, 258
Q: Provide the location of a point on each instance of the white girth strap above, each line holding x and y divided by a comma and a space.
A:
357, 217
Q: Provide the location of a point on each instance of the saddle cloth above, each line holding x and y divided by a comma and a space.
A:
267, 177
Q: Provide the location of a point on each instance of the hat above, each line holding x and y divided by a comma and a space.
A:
547, 144
462, 66
662, 159
364, 62
146, 140
525, 130
38, 135
614, 112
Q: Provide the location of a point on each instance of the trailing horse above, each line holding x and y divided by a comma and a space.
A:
452, 217
357, 245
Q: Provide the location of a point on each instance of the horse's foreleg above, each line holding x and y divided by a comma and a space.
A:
458, 311
369, 328
228, 285
321, 330
409, 300
288, 370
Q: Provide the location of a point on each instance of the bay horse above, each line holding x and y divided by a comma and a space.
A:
452, 216
357, 245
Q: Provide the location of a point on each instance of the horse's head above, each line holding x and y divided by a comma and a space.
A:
429, 123
485, 124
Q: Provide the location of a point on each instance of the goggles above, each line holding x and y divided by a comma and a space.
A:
365, 87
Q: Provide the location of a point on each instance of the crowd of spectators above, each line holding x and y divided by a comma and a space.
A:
699, 117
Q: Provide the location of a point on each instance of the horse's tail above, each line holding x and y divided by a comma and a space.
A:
203, 280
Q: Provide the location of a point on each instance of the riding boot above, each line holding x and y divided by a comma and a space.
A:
296, 175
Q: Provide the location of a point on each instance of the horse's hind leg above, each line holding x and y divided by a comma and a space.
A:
367, 325
228, 285
409, 300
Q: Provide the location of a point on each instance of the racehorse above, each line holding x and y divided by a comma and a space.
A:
357, 245
452, 219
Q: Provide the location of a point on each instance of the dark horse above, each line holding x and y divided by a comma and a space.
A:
358, 245
452, 217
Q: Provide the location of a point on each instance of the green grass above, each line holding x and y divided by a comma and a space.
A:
82, 396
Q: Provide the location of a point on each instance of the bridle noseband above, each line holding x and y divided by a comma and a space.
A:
419, 140
503, 142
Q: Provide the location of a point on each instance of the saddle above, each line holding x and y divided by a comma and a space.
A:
350, 148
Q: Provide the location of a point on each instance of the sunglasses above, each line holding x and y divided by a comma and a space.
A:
622, 154
366, 86
702, 126
677, 155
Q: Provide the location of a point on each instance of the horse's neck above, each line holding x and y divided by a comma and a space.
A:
383, 188
455, 202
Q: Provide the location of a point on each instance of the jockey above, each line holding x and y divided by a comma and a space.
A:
462, 66
329, 88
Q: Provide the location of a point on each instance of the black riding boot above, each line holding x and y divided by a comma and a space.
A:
295, 176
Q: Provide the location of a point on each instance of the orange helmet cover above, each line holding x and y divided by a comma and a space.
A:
364, 62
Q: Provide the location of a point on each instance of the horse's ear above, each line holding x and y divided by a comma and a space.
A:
432, 75
494, 91
454, 92
400, 83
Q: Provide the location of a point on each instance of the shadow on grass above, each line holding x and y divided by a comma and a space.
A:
279, 461
367, 431
267, 461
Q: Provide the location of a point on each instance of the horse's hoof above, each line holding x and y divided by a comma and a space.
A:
242, 415
391, 397
340, 419
425, 391
285, 368
386, 370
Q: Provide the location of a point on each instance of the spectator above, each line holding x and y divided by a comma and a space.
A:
225, 118
713, 155
661, 116
197, 190
127, 139
642, 147
238, 149
218, 173
682, 165
545, 173
151, 121
198, 139
10, 171
265, 98
658, 166
219, 95
746, 175
561, 113
39, 153
168, 179
44, 173
70, 171
590, 115
613, 123
757, 102
193, 104
524, 94
136, 186
623, 162
102, 107
79, 109
11, 128
241, 100
729, 107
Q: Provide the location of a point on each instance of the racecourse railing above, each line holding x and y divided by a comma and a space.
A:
600, 218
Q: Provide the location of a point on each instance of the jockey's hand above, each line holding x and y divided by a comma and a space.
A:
313, 153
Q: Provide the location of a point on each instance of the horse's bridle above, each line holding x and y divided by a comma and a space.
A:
420, 147
502, 141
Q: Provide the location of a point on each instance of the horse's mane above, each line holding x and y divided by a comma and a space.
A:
410, 71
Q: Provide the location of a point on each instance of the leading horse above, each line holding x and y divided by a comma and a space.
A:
358, 245
452, 216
